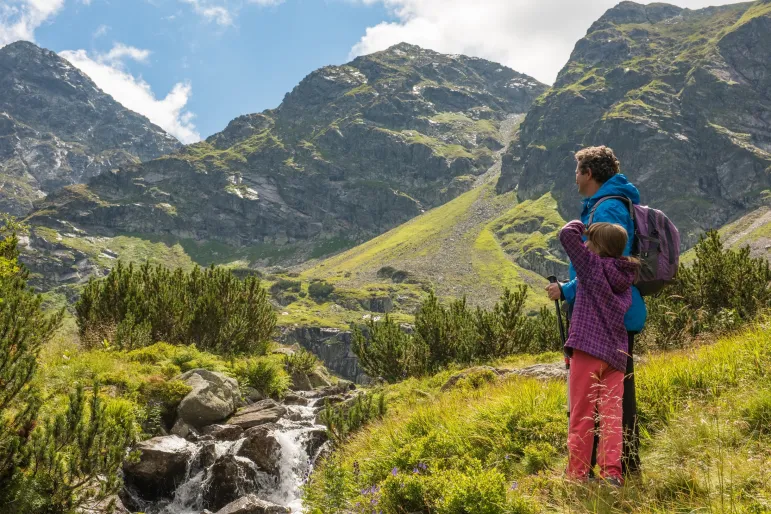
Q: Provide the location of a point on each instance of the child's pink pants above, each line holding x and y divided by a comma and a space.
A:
594, 384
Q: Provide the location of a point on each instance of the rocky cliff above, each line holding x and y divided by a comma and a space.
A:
57, 128
352, 151
682, 96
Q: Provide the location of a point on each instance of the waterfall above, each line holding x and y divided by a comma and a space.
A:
282, 486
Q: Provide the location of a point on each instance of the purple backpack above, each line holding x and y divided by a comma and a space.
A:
656, 243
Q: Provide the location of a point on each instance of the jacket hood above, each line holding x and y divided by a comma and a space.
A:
617, 185
620, 273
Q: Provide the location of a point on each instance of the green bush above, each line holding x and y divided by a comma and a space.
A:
720, 291
265, 375
320, 290
162, 397
211, 308
285, 285
60, 459
301, 361
454, 334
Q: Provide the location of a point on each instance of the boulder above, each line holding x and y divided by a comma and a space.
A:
227, 480
261, 447
214, 397
161, 467
252, 395
315, 439
295, 399
318, 379
250, 504
184, 430
300, 382
260, 413
223, 432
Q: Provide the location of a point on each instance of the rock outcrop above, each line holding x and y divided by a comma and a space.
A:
161, 466
214, 397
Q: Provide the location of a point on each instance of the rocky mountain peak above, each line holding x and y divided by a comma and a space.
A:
633, 12
59, 128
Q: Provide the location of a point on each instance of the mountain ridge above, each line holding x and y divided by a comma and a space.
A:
58, 128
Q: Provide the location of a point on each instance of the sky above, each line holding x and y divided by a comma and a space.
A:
191, 66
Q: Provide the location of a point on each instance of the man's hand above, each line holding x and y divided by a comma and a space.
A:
554, 291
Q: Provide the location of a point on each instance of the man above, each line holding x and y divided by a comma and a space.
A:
597, 176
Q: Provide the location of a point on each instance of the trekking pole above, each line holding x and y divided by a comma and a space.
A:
553, 280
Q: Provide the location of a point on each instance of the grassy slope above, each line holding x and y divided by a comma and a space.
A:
705, 417
452, 248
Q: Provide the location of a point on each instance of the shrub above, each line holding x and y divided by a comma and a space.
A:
285, 285
162, 397
320, 290
454, 334
210, 308
301, 361
265, 375
721, 290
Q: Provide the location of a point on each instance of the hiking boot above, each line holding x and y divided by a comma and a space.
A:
614, 481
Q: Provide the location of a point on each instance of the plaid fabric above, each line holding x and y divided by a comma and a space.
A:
603, 296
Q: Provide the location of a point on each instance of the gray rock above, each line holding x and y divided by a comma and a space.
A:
183, 430
543, 371
300, 382
252, 395
214, 397
227, 480
161, 467
223, 432
318, 379
266, 411
250, 504
261, 447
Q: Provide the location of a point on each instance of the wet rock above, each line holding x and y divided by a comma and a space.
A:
260, 413
214, 397
161, 467
227, 480
294, 399
315, 440
223, 432
250, 504
261, 447
342, 387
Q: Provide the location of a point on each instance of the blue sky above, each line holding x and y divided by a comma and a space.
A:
193, 65
234, 69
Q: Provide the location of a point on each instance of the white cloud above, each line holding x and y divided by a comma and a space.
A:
223, 12
216, 13
534, 37
109, 73
20, 18
120, 51
100, 31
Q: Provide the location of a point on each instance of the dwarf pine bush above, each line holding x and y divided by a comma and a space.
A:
720, 291
454, 334
211, 308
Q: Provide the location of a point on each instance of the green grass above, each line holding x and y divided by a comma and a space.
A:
530, 227
451, 249
705, 441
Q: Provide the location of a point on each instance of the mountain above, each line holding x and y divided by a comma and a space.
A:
683, 98
58, 128
352, 151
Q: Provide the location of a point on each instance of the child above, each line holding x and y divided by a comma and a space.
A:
598, 341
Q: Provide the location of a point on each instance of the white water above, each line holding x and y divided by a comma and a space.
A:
294, 465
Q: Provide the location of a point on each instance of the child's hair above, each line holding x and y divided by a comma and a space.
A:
607, 239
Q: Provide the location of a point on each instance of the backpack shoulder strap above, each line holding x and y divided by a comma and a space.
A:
626, 201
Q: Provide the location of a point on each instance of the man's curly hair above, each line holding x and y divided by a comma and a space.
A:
601, 160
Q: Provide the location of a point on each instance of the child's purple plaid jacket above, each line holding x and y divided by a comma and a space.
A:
602, 298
